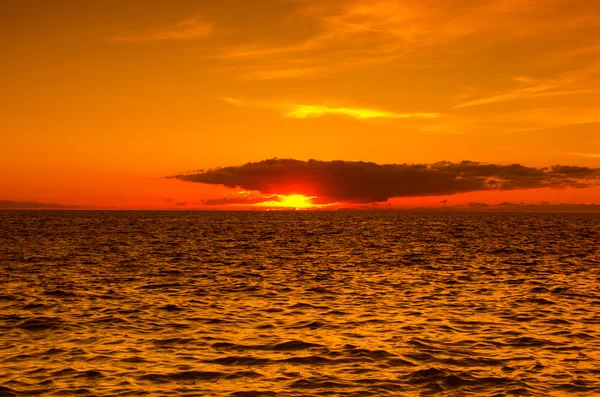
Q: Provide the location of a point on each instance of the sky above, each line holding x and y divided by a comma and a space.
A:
137, 104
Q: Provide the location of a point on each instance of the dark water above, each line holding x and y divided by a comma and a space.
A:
299, 304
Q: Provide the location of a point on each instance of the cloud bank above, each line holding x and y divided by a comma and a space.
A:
363, 182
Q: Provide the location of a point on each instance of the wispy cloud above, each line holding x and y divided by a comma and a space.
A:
348, 34
232, 101
588, 155
284, 73
569, 83
187, 29
304, 111
310, 111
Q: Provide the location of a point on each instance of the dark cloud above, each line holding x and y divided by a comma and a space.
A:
362, 182
31, 205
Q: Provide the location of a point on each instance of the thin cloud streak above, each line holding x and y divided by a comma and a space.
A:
588, 155
187, 29
303, 111
311, 111
284, 73
563, 85
232, 101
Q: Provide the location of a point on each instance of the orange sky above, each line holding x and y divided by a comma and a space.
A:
103, 99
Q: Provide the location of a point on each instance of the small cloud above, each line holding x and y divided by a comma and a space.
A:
181, 204
508, 204
187, 29
311, 111
232, 101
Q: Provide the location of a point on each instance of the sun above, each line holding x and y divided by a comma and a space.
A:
292, 201
296, 201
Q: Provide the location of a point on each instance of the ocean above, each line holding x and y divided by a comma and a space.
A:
299, 303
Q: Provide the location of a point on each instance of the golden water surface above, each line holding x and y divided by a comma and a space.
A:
299, 304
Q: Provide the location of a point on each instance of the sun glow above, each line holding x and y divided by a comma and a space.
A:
292, 201
296, 201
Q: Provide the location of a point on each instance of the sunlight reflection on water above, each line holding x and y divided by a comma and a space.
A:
299, 304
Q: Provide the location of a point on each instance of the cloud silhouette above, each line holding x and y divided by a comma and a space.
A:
362, 182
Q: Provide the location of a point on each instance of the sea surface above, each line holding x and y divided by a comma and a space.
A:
299, 304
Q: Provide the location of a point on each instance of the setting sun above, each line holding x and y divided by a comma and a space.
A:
297, 201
